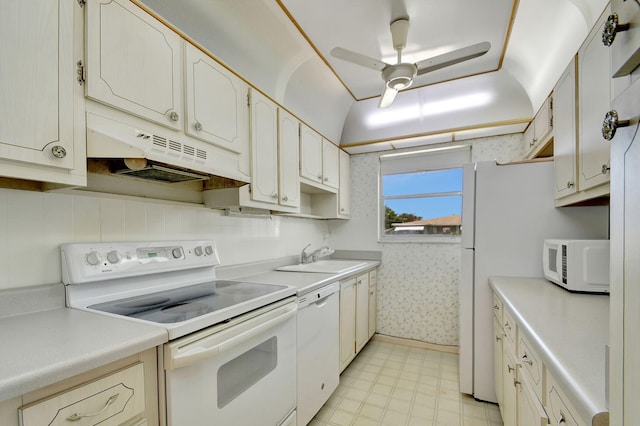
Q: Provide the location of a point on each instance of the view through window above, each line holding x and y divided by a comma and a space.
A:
419, 198
428, 202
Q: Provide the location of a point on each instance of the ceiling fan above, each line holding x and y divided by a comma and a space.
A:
400, 76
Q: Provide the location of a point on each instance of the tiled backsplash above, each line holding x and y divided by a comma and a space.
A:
34, 224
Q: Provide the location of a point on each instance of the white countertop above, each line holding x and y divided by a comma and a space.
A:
42, 348
570, 332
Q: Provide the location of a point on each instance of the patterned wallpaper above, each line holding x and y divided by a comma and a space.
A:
417, 282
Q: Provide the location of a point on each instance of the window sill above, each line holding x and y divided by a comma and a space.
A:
420, 240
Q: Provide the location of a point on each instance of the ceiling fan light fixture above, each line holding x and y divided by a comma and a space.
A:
399, 76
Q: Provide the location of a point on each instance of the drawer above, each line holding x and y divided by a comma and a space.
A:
509, 326
624, 45
558, 407
497, 307
110, 400
531, 366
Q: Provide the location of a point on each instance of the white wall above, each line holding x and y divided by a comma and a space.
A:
34, 224
417, 282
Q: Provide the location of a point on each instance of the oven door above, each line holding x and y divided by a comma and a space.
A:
239, 373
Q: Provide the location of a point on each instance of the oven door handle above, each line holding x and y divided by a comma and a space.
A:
203, 348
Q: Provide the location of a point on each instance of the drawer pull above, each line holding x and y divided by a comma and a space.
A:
496, 307
75, 417
507, 326
526, 359
561, 420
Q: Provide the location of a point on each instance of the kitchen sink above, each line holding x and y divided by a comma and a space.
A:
324, 266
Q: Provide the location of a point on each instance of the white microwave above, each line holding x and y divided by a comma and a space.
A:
577, 265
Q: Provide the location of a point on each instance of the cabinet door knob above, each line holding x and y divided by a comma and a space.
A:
611, 28
570, 184
285, 198
58, 151
173, 116
274, 195
605, 169
611, 123
526, 359
561, 420
198, 126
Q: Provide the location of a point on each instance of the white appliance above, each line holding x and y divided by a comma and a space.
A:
507, 213
318, 349
231, 358
577, 265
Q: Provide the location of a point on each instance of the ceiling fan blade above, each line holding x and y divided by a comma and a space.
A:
358, 59
387, 97
452, 58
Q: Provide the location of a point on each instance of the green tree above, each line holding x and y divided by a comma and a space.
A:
390, 216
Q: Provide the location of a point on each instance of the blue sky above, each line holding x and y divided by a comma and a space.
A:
425, 182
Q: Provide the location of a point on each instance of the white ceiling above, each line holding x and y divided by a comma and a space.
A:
282, 48
435, 27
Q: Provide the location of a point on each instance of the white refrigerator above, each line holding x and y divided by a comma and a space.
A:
507, 212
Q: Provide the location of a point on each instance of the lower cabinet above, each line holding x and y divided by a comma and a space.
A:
527, 393
121, 393
356, 310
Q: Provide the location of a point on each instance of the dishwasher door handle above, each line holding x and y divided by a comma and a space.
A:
197, 351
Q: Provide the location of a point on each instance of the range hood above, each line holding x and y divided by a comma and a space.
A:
132, 148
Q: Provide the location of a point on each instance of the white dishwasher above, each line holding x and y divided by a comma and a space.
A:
318, 349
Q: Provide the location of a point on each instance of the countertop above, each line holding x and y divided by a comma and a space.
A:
569, 331
42, 348
43, 342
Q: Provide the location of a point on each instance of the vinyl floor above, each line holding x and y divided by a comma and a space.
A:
398, 385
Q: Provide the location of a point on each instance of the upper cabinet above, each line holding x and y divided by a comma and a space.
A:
319, 160
581, 152
134, 62
275, 183
564, 144
594, 97
344, 194
622, 34
216, 102
539, 133
41, 113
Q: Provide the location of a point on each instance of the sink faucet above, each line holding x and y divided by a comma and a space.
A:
304, 257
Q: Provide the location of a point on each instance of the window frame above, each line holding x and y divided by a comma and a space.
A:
433, 159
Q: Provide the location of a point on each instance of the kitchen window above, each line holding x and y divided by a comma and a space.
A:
421, 195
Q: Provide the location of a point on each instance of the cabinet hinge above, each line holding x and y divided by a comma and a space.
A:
249, 100
82, 2
80, 72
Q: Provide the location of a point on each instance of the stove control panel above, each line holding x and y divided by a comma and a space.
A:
88, 262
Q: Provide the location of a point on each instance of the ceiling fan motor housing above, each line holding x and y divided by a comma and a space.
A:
399, 76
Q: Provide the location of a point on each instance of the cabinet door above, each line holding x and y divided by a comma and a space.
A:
530, 411
134, 62
498, 335
347, 322
216, 103
625, 268
264, 149
310, 154
344, 193
289, 159
509, 396
37, 82
594, 97
527, 139
373, 282
543, 123
362, 311
330, 164
564, 143
625, 47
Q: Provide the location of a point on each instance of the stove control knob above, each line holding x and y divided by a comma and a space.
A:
176, 253
198, 251
93, 258
208, 250
113, 256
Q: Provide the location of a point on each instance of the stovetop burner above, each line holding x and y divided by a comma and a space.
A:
188, 302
